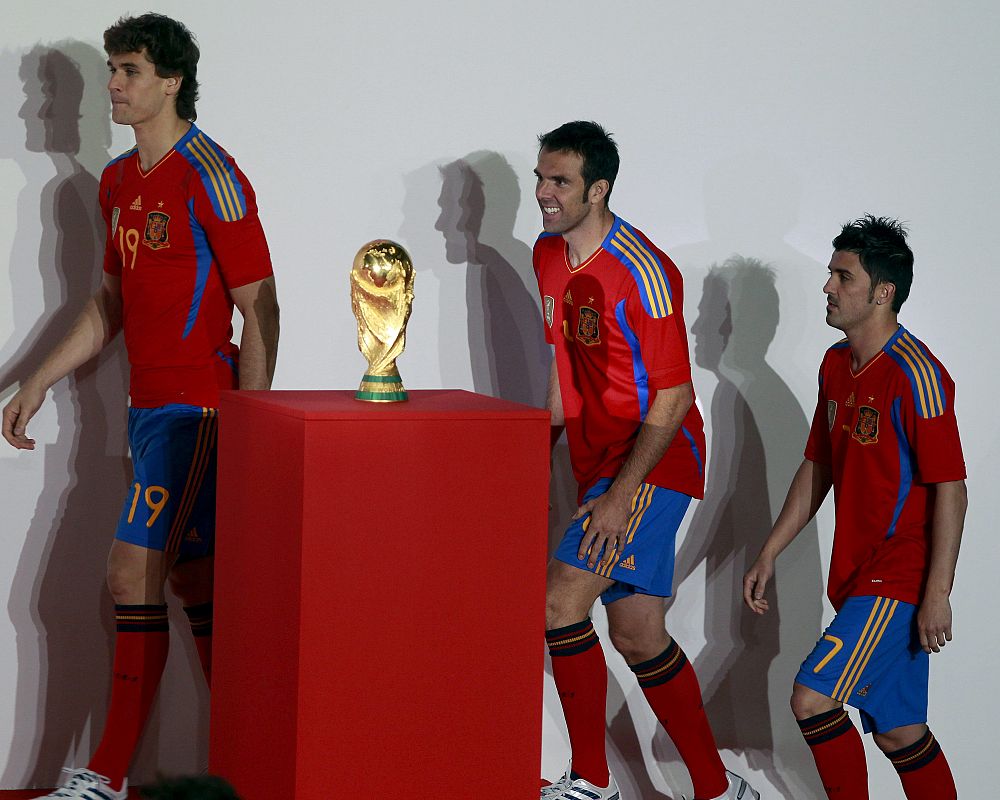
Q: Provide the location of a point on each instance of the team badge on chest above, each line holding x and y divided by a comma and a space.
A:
866, 429
587, 328
156, 236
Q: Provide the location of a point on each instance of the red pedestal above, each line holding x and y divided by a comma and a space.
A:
379, 601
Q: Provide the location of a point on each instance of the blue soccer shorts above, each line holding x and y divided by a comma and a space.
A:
646, 564
870, 658
171, 505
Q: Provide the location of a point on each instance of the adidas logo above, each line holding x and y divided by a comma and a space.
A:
137, 204
568, 298
192, 536
851, 402
627, 563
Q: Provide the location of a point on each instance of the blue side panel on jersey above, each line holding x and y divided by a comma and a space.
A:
116, 159
905, 466
694, 449
638, 366
217, 175
229, 361
645, 266
203, 252
921, 371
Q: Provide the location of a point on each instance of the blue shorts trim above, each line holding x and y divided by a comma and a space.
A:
646, 564
171, 505
870, 658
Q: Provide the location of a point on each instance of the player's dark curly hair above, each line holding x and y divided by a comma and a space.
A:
880, 243
169, 45
593, 144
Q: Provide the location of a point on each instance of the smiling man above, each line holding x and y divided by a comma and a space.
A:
621, 386
884, 436
184, 246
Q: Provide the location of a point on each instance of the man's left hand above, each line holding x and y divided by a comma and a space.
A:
609, 515
934, 623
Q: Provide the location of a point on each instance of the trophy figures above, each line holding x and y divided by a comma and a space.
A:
381, 297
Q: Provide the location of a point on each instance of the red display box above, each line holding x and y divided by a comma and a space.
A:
379, 596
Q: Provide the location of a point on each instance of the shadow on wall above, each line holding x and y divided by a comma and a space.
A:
58, 605
758, 431
479, 199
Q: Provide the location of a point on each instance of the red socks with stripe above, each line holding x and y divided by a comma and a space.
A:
924, 771
200, 618
839, 754
141, 644
581, 676
672, 691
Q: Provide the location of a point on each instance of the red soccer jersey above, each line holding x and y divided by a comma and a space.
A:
619, 336
180, 236
888, 433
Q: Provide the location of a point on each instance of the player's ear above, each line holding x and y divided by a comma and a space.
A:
884, 293
173, 84
598, 191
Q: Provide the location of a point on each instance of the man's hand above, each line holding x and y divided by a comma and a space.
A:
934, 622
755, 582
18, 411
609, 515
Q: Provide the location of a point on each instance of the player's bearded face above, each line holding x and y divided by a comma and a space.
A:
849, 299
560, 191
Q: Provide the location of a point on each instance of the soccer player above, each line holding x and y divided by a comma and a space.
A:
621, 386
184, 245
884, 436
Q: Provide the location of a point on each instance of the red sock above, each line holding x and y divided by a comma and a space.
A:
140, 653
839, 754
581, 676
924, 771
200, 617
672, 691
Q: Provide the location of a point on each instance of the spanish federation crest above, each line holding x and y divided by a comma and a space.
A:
866, 429
550, 307
831, 412
156, 235
587, 330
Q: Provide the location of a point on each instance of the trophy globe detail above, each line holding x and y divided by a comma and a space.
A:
382, 297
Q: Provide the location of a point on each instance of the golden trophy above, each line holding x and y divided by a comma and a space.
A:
382, 297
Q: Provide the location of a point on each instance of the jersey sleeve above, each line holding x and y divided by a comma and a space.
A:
548, 305
927, 417
112, 258
225, 206
659, 340
818, 446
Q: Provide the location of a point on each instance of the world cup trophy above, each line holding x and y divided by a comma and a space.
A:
382, 297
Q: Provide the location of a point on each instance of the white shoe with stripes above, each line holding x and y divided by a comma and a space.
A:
738, 789
567, 789
83, 784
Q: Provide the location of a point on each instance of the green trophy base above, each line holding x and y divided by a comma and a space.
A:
381, 389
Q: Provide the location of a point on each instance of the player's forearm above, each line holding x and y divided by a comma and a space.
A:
261, 327
96, 325
806, 493
950, 503
663, 420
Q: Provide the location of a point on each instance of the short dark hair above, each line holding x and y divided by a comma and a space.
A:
593, 144
202, 787
880, 243
170, 47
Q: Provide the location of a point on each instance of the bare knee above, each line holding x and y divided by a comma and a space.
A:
192, 581
136, 575
898, 738
808, 703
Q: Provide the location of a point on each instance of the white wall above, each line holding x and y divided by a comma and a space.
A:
748, 133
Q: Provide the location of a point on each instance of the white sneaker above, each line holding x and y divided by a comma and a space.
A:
82, 784
738, 789
567, 789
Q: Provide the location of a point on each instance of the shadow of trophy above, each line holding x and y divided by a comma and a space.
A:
382, 297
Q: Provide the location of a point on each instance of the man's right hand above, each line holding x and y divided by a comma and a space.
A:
17, 412
754, 583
